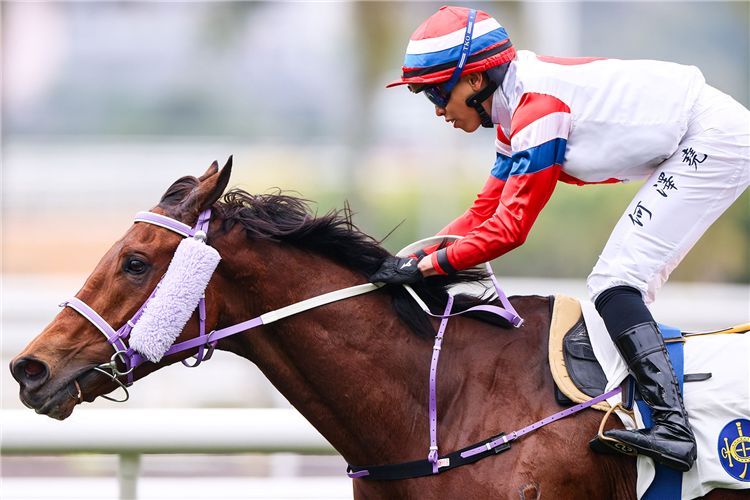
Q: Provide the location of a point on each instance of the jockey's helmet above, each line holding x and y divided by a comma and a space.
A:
437, 47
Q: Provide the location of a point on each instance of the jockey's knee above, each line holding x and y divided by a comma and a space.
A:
605, 276
622, 307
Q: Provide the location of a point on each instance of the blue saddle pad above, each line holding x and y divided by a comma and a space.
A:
667, 484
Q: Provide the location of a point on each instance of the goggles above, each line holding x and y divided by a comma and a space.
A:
437, 95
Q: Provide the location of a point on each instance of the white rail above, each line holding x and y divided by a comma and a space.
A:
131, 433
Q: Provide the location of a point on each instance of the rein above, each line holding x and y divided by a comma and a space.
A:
205, 343
131, 359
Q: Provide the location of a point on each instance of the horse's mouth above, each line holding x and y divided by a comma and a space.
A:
60, 404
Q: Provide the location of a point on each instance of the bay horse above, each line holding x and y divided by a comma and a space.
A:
356, 369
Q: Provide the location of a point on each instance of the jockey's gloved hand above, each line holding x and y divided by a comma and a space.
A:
398, 271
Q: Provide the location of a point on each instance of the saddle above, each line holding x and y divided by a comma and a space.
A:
718, 407
577, 373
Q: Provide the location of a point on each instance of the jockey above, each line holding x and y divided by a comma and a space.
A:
586, 121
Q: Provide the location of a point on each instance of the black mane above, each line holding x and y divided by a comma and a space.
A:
280, 217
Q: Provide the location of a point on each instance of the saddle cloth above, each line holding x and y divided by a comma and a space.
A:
718, 407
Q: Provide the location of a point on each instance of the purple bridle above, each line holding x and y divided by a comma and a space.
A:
205, 343
126, 355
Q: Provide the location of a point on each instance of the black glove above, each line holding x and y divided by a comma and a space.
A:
398, 271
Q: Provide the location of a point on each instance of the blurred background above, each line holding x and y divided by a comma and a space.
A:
105, 104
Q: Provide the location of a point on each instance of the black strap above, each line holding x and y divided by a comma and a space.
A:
696, 377
418, 468
496, 75
475, 101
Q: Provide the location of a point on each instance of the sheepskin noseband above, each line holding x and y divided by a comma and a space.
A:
175, 300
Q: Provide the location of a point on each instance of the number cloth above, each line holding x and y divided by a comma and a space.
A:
712, 405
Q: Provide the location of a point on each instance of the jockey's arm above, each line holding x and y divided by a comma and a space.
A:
483, 208
527, 168
520, 203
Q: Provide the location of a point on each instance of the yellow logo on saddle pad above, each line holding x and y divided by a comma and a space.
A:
734, 448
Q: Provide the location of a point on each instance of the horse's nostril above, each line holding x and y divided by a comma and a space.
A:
33, 368
30, 371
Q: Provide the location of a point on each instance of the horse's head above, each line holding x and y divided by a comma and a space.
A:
60, 367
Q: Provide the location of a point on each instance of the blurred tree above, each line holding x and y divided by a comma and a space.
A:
225, 24
376, 33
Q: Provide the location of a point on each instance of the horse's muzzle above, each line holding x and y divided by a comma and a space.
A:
55, 400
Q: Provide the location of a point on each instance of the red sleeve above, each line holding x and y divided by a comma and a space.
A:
520, 204
482, 209
540, 126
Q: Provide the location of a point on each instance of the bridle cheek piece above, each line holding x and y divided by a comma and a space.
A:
126, 355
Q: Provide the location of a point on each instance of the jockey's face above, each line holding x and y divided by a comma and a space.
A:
456, 111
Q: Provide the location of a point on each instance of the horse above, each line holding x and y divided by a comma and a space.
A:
357, 369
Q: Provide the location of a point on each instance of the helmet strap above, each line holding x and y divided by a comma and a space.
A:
496, 75
475, 101
465, 49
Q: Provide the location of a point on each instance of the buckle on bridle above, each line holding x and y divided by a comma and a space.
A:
500, 447
113, 378
112, 365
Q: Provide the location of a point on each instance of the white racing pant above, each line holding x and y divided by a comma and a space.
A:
680, 200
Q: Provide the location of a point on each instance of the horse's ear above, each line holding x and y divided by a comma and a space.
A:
211, 171
211, 186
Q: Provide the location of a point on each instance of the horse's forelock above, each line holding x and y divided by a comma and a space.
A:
178, 191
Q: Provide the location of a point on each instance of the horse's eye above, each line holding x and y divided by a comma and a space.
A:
134, 266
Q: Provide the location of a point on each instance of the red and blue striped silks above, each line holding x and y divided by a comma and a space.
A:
519, 186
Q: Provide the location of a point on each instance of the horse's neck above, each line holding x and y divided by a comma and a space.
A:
361, 376
352, 367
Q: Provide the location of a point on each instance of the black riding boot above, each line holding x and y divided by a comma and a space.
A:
670, 440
